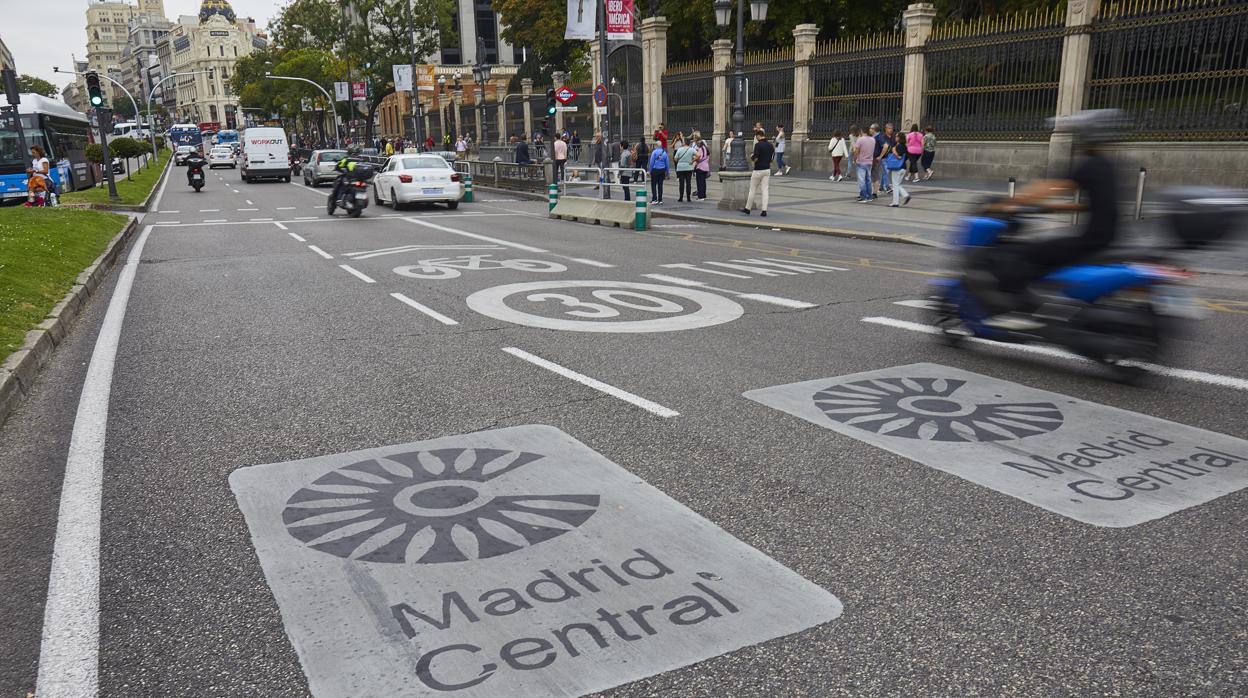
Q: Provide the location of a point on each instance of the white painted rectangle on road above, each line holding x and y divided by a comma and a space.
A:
358, 274
512, 562
424, 309
647, 405
1093, 463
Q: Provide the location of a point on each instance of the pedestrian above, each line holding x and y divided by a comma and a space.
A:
884, 142
560, 150
660, 136
686, 158
702, 170
429, 143
389, 149
727, 149
781, 168
38, 178
613, 164
863, 152
838, 149
574, 144
641, 158
522, 152
760, 178
895, 164
598, 156
929, 150
627, 162
914, 150
658, 166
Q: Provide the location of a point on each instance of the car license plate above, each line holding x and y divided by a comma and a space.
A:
361, 196
197, 176
431, 190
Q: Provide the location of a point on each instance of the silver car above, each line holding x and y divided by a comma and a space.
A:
320, 167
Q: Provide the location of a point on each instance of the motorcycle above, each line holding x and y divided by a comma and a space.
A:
352, 195
1120, 309
197, 177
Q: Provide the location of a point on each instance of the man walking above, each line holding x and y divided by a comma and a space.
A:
863, 155
884, 141
560, 147
760, 178
522, 152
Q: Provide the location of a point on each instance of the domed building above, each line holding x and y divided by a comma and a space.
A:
209, 44
218, 8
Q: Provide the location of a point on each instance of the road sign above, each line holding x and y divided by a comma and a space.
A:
565, 108
600, 95
600, 110
565, 95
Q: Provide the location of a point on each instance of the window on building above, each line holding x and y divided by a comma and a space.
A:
236, 52
225, 73
222, 47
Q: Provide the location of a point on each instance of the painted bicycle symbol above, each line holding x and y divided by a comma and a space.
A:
453, 267
604, 306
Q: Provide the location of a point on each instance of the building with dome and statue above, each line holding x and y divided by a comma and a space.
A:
209, 44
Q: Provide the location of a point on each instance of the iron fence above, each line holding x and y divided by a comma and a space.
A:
856, 81
1179, 67
994, 78
769, 89
688, 91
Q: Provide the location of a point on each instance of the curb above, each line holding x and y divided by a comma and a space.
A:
130, 208
19, 370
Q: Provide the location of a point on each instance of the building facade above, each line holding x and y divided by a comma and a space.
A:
209, 44
140, 64
112, 28
6, 56
472, 19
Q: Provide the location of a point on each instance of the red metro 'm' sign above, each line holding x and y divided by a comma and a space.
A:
565, 95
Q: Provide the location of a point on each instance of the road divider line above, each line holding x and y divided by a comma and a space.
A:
916, 303
285, 208
214, 220
592, 263
298, 237
249, 203
674, 280
620, 394
210, 210
260, 220
777, 300
424, 309
166, 212
168, 223
278, 224
70, 644
248, 209
321, 252
358, 274
1168, 371
760, 297
305, 218
160, 195
456, 231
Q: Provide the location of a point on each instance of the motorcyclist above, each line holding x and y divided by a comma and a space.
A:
194, 162
345, 166
1094, 177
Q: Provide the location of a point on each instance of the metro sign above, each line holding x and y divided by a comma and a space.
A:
565, 95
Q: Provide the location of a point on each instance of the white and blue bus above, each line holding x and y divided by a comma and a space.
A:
61, 132
184, 134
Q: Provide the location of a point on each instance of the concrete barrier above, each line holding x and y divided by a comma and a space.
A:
597, 211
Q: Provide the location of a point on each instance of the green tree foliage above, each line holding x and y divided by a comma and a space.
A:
29, 84
94, 153
126, 148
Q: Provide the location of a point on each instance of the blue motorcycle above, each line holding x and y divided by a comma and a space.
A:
1119, 309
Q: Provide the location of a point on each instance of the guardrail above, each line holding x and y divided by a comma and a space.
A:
603, 178
504, 175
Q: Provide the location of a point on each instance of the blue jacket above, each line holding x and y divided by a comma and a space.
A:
659, 160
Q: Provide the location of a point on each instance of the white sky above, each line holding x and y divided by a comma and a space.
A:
45, 33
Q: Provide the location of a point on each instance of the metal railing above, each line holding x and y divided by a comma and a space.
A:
504, 175
603, 178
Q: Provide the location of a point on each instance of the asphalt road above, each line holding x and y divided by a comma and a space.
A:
260, 331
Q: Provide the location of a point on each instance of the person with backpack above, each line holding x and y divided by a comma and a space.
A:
838, 149
686, 158
895, 164
658, 166
702, 170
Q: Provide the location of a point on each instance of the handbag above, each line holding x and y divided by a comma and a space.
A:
894, 162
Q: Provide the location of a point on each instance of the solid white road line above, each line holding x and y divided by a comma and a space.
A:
456, 231
278, 224
161, 195
70, 645
166, 212
647, 405
1180, 373
424, 309
760, 297
674, 280
285, 208
214, 220
305, 218
298, 237
249, 209
776, 300
321, 252
168, 223
260, 220
920, 304
358, 274
592, 263
209, 210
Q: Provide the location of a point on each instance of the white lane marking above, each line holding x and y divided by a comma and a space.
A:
424, 309
676, 225
920, 304
321, 252
692, 267
166, 212
249, 209
249, 203
214, 220
285, 208
209, 210
161, 195
647, 405
278, 224
260, 220
674, 280
305, 218
168, 223
456, 231
1180, 373
298, 237
776, 300
592, 263
358, 274
368, 254
70, 644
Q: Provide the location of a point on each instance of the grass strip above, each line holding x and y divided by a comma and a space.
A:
42, 251
131, 191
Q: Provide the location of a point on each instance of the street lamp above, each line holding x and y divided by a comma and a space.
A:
480, 74
325, 92
723, 15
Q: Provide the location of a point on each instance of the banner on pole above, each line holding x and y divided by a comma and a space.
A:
305, 104
620, 20
359, 90
424, 78
582, 19
402, 77
340, 92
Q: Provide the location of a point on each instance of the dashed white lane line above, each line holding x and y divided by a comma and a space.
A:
358, 274
260, 220
168, 223
593, 263
618, 393
279, 224
166, 212
70, 645
285, 208
760, 297
214, 220
248, 209
1180, 373
424, 309
321, 252
249, 202
920, 304
209, 210
298, 237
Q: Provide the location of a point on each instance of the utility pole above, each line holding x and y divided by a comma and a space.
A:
415, 94
602, 71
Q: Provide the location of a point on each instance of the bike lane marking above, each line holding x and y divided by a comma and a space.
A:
617, 393
497, 241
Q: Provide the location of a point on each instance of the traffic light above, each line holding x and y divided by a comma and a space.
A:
93, 90
551, 104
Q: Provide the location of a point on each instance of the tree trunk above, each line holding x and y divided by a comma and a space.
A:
372, 113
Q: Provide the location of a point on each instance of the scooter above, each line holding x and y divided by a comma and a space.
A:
352, 196
1120, 309
197, 177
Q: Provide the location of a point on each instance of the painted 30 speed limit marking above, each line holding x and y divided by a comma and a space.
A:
604, 306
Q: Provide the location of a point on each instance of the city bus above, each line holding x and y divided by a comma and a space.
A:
228, 137
61, 132
184, 134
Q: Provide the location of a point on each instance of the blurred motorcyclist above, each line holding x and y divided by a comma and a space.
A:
194, 163
343, 167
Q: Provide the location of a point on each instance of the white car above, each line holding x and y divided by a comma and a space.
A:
419, 178
180, 153
221, 155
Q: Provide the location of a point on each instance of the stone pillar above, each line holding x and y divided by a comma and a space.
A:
804, 36
526, 88
653, 65
918, 20
500, 95
721, 67
558, 78
457, 101
1072, 86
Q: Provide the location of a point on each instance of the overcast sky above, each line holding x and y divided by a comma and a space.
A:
45, 33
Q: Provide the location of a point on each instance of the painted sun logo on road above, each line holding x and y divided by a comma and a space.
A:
926, 409
429, 507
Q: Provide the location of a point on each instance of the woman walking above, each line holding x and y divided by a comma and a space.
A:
895, 164
838, 150
914, 150
703, 169
686, 157
658, 166
781, 168
929, 150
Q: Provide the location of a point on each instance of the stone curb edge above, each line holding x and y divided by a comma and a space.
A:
131, 208
20, 369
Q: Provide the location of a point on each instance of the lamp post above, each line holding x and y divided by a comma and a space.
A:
457, 98
325, 92
481, 74
151, 124
723, 15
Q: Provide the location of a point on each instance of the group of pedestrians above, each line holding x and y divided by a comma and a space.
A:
882, 160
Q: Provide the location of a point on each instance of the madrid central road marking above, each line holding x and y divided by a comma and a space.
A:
618, 393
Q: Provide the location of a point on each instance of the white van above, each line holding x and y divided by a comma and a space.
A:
265, 153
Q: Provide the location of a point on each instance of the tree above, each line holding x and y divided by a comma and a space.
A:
29, 84
127, 148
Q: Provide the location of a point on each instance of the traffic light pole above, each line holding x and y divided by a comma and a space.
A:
104, 117
138, 115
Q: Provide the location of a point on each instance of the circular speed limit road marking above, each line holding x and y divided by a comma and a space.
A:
596, 306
